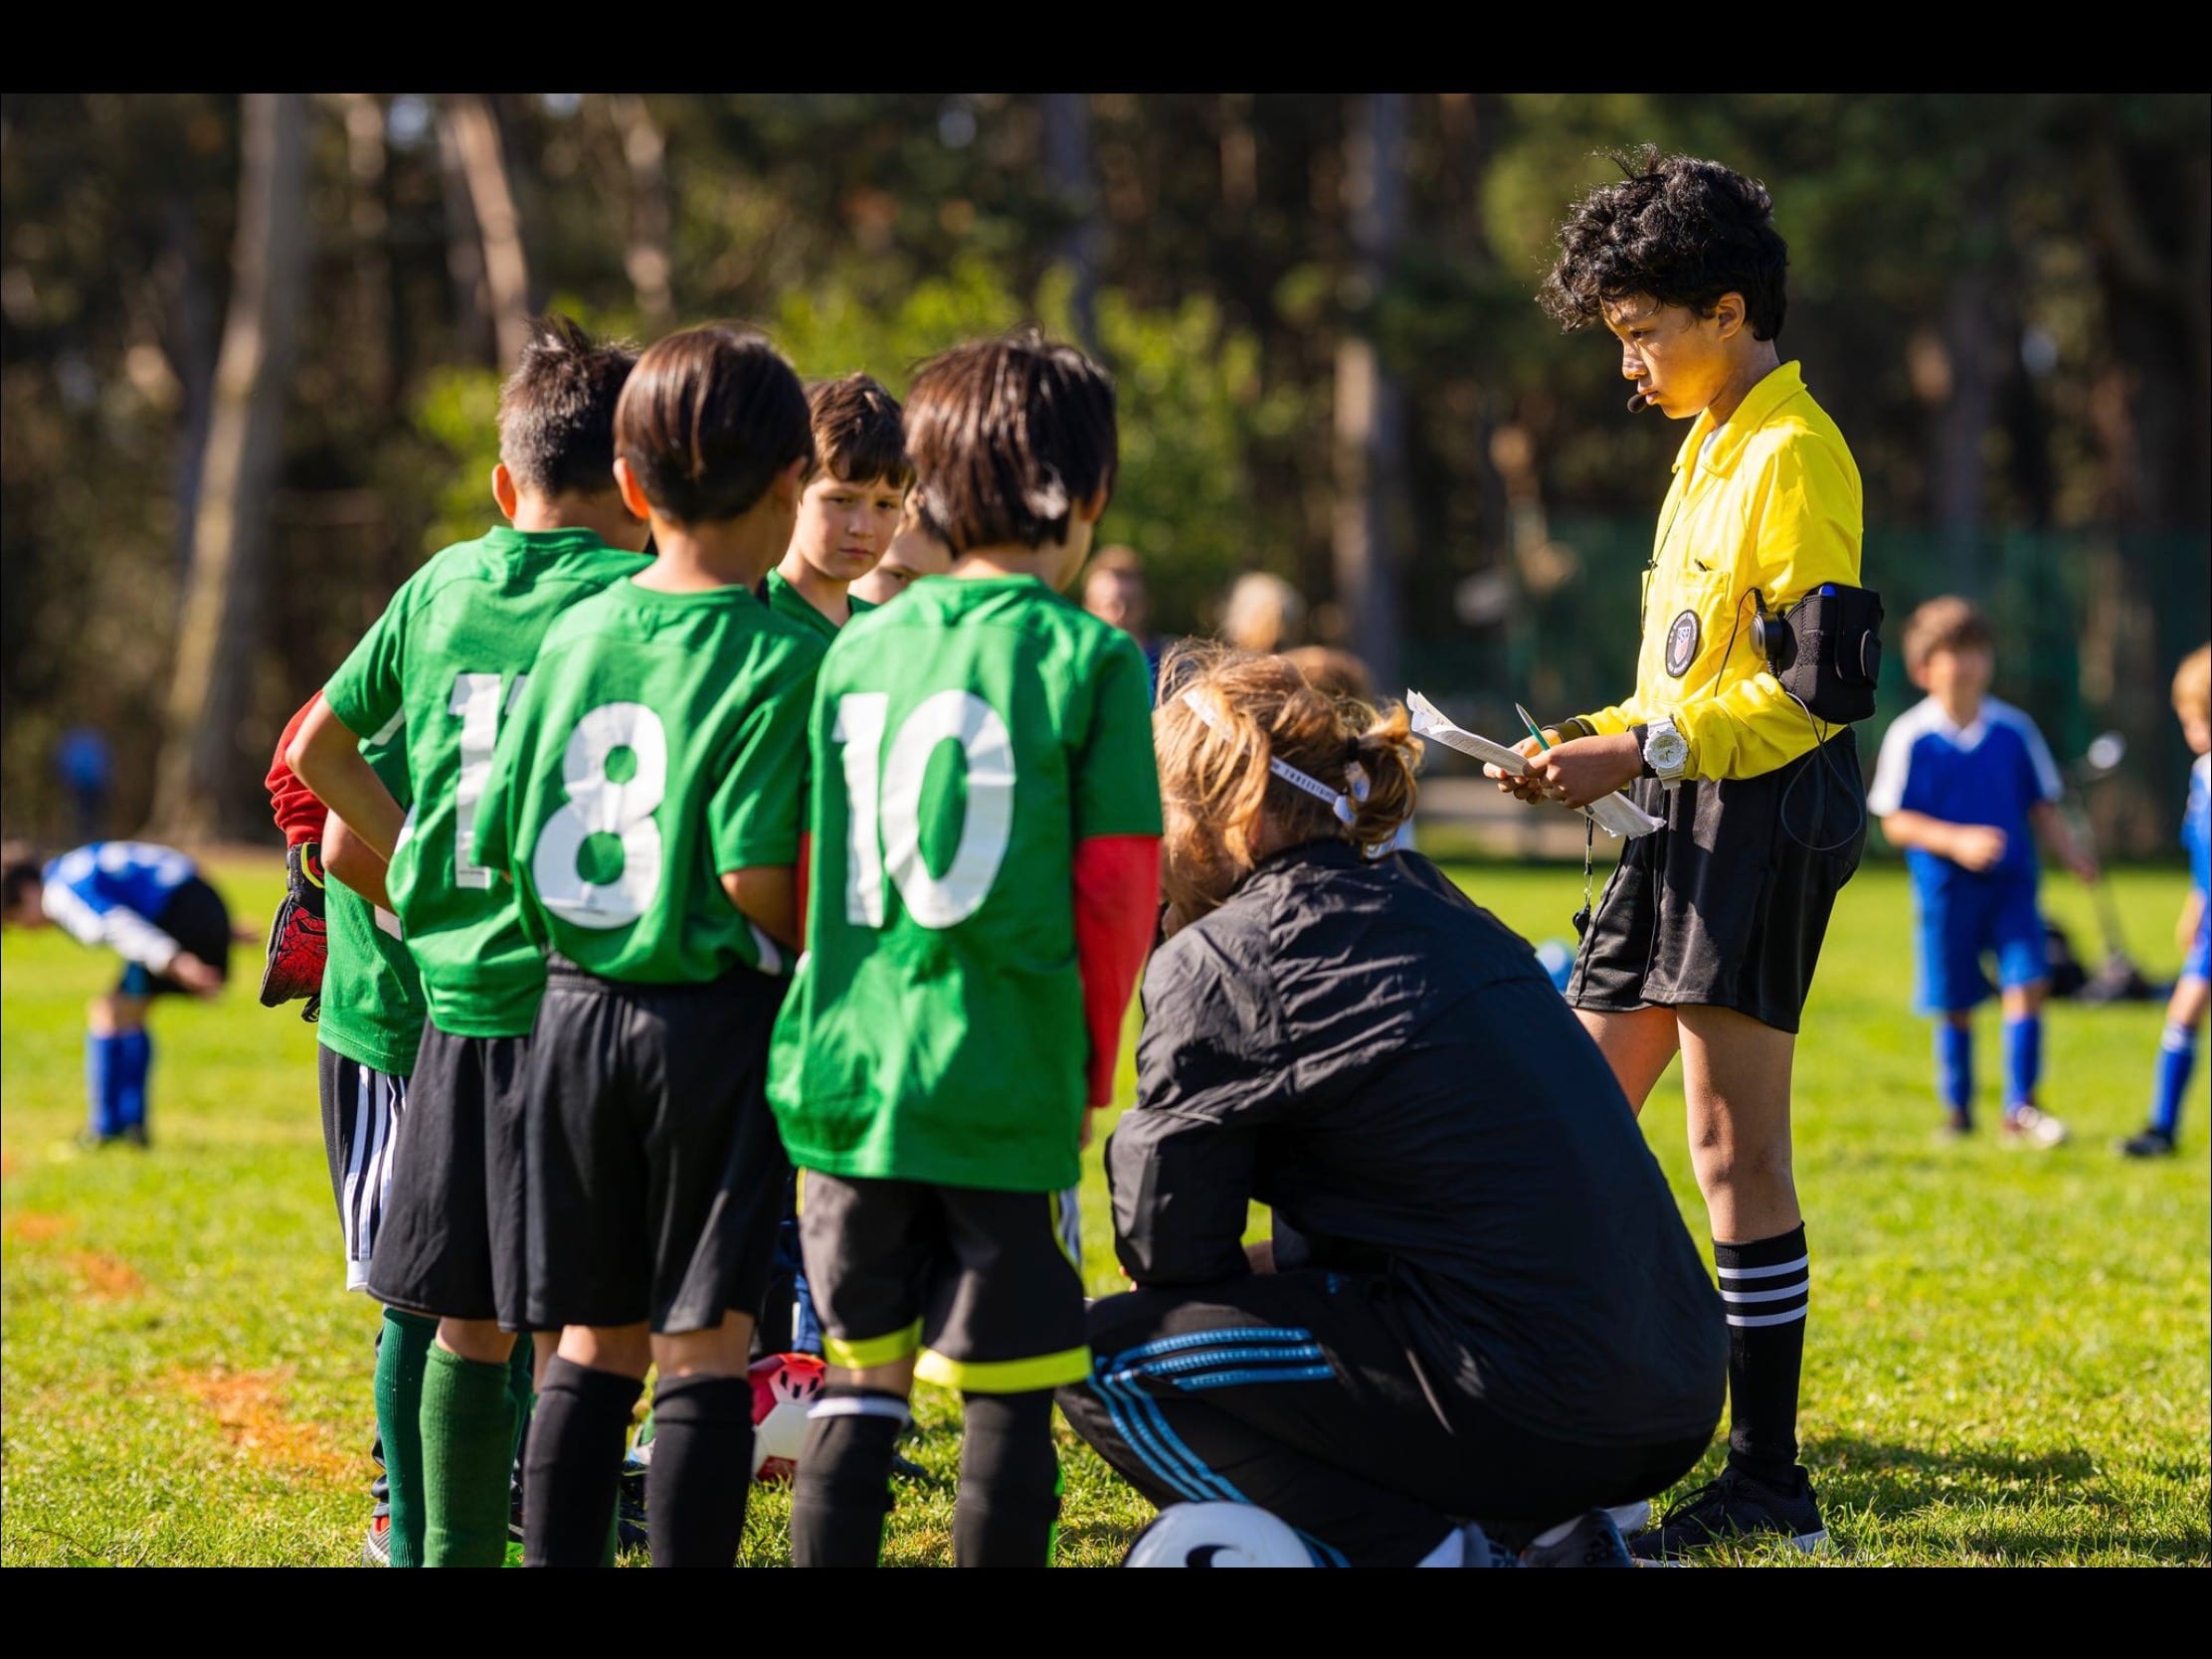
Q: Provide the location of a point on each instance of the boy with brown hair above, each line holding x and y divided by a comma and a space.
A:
2177, 1047
444, 663
648, 800
855, 498
1963, 786
986, 823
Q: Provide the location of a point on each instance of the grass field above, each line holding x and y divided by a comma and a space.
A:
2006, 1362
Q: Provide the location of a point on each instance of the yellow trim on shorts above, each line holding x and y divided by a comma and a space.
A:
1005, 1377
871, 1350
798, 1192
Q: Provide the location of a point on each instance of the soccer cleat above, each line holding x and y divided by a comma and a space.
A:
2031, 1126
298, 944
376, 1549
2151, 1143
1478, 1549
1735, 1506
1592, 1540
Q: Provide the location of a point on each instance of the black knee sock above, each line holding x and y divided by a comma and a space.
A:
572, 1464
1766, 1286
702, 1469
844, 1488
1008, 1509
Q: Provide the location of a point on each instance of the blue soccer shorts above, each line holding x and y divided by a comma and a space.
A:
1970, 918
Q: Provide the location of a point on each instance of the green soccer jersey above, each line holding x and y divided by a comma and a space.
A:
372, 992
963, 742
787, 601
661, 741
448, 654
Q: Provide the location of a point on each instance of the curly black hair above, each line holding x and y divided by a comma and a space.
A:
1681, 230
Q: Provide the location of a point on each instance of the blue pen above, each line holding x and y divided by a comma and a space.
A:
1534, 730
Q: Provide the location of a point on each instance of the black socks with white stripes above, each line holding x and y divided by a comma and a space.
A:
844, 1489
1009, 1482
701, 1471
572, 1464
1765, 1286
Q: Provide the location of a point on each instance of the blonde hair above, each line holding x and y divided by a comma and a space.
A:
1215, 777
1263, 613
2192, 684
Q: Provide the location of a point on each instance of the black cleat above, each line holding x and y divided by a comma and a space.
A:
2151, 1143
1592, 1540
1735, 1506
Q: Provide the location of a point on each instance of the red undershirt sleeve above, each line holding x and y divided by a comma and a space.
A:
1117, 902
292, 803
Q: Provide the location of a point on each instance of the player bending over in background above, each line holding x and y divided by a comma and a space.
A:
150, 906
1480, 1304
986, 824
647, 800
1965, 783
445, 660
2177, 1048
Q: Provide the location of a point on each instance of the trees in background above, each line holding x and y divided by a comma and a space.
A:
1318, 309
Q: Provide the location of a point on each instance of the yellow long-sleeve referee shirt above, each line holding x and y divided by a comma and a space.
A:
1772, 505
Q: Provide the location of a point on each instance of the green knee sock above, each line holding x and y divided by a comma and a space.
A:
468, 1460
399, 1359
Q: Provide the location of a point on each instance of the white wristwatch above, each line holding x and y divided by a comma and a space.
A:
1666, 751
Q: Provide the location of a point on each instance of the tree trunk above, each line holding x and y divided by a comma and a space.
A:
1068, 163
192, 348
484, 171
646, 257
203, 761
1369, 406
370, 256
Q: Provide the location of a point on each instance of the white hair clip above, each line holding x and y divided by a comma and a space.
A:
1305, 781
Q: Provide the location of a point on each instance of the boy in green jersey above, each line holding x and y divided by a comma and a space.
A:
856, 492
985, 823
447, 659
648, 800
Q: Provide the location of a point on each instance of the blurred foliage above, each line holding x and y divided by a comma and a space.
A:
2046, 250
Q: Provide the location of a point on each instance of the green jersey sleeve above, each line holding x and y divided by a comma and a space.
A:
365, 693
754, 818
1116, 782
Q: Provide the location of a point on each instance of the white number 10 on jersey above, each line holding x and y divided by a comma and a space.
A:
883, 800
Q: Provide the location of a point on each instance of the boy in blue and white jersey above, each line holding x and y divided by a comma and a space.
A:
148, 904
2177, 1048
1963, 786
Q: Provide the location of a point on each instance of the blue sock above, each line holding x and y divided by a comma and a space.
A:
103, 1078
2023, 1059
2177, 1057
133, 1060
1954, 1067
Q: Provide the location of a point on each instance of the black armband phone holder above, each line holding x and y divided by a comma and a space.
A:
1826, 650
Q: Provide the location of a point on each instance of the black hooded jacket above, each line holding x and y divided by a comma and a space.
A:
1388, 1067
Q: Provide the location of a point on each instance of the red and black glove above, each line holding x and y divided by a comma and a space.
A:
298, 946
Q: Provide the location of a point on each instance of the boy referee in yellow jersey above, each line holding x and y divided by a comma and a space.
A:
1706, 939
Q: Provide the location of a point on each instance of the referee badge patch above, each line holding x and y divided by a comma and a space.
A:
1682, 643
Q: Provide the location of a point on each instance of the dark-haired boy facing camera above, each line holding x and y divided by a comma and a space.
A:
850, 513
1706, 940
445, 661
149, 905
985, 821
646, 799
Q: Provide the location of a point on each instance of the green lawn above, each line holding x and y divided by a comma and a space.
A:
2007, 1358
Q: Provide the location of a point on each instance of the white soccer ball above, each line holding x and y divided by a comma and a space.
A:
1216, 1535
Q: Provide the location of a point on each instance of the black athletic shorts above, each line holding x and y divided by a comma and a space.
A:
982, 1285
197, 920
361, 1112
1727, 906
451, 1241
656, 1174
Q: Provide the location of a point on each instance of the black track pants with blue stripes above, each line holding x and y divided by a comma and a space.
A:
1297, 1392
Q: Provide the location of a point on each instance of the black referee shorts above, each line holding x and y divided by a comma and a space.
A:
656, 1175
1727, 906
451, 1239
197, 920
980, 1285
